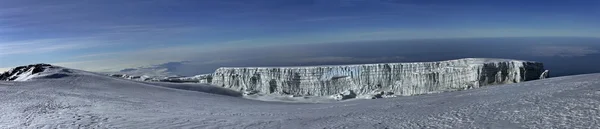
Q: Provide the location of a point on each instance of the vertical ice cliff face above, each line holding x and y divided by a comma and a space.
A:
398, 78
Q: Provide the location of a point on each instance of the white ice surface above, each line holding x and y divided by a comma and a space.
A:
88, 100
399, 78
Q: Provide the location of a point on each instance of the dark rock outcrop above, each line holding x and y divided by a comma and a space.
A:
21, 71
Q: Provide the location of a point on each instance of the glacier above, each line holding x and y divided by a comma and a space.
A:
404, 79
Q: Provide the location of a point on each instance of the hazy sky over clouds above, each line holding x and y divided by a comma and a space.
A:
105, 35
561, 55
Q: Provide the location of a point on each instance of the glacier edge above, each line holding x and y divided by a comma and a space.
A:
403, 79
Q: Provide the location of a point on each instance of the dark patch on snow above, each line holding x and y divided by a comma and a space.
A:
58, 75
203, 88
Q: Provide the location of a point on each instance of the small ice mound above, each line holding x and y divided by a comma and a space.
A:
249, 92
378, 95
25, 73
348, 94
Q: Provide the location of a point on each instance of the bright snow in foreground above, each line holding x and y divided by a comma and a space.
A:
66, 98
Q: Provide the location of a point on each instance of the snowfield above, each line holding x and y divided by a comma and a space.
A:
68, 98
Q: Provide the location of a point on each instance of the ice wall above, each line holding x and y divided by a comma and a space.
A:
399, 78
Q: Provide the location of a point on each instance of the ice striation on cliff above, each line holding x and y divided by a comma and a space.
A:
386, 78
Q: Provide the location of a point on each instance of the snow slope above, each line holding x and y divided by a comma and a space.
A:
80, 99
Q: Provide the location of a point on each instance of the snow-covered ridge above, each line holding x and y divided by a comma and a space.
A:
24, 73
131, 77
384, 78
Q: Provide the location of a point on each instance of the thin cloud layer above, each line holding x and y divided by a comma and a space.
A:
134, 33
563, 51
338, 59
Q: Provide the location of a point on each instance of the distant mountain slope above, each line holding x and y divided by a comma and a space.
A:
82, 99
169, 69
24, 73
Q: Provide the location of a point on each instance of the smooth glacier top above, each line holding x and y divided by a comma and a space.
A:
469, 60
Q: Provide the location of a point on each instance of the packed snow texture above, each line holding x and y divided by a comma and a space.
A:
397, 78
79, 99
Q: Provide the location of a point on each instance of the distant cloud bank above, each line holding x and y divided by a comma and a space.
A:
563, 51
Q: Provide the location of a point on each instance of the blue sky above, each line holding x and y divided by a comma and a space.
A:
108, 35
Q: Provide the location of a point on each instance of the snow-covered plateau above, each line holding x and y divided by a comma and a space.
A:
56, 97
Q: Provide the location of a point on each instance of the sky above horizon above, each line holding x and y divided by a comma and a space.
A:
109, 35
